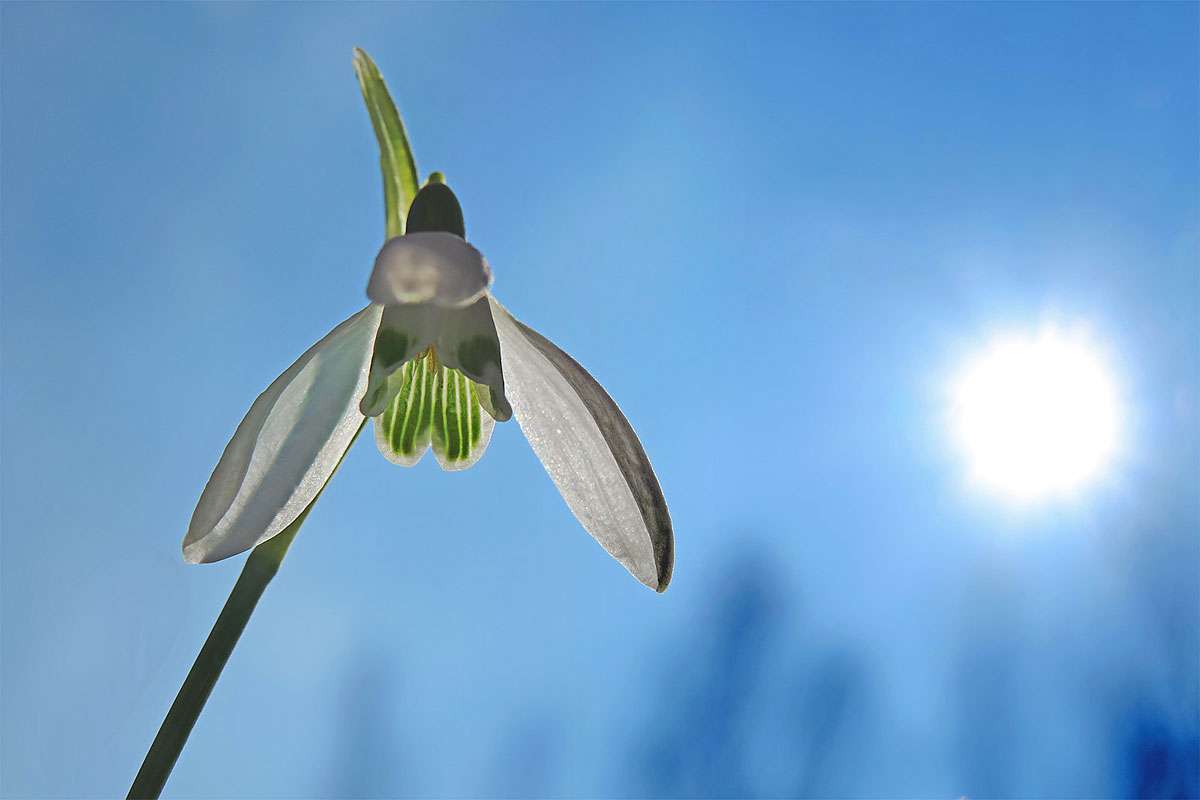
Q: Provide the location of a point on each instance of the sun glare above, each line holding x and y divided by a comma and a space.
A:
1036, 416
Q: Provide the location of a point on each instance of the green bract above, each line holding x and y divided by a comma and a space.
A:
395, 156
436, 361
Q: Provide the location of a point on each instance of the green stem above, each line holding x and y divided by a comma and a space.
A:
399, 187
261, 566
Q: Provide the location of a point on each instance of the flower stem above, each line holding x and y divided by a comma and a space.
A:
400, 185
261, 566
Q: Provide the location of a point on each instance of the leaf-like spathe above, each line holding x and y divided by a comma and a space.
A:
396, 161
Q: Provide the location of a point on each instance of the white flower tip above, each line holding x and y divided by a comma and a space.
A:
430, 267
206, 548
196, 553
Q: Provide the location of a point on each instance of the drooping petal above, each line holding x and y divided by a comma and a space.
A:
431, 267
404, 333
461, 429
287, 446
589, 449
434, 404
402, 431
467, 341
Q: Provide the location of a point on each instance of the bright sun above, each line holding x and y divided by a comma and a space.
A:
1037, 415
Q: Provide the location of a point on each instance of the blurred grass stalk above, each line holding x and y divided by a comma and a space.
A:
399, 187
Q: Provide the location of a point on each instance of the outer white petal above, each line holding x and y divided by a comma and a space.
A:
429, 267
589, 449
288, 445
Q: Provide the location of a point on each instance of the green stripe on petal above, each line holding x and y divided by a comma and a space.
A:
402, 430
447, 422
461, 428
397, 429
433, 404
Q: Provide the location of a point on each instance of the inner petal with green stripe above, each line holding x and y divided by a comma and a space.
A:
434, 404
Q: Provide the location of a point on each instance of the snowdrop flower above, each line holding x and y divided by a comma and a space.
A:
436, 361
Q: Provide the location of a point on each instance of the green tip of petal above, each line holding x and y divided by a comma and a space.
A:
436, 177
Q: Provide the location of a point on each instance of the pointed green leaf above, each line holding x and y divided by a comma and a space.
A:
395, 156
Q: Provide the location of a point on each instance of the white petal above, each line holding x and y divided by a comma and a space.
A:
430, 267
467, 342
288, 445
461, 429
404, 331
589, 449
402, 430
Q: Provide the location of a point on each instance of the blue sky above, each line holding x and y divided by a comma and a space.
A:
773, 232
